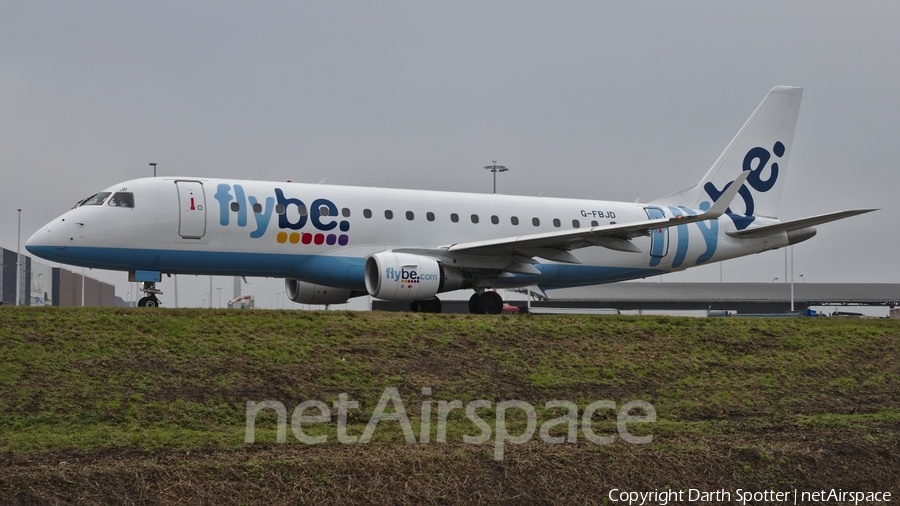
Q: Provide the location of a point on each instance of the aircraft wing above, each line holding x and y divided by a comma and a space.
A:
556, 245
764, 231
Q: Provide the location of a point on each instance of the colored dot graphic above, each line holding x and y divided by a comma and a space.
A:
307, 238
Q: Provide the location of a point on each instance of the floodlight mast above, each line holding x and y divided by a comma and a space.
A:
18, 299
495, 169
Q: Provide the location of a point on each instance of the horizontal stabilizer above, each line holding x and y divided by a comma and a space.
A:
768, 230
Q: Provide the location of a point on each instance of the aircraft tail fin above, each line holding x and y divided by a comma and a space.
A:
762, 147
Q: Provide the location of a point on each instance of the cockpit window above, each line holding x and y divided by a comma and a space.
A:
122, 199
95, 200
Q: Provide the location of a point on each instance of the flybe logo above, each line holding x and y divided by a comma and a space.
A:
755, 161
406, 277
317, 224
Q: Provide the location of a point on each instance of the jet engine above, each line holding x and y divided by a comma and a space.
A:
409, 277
308, 293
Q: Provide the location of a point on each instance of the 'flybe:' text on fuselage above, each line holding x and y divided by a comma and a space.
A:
316, 224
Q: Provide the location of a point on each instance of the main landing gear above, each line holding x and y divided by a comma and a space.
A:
486, 303
426, 306
150, 300
480, 303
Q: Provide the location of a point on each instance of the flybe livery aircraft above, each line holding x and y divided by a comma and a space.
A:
331, 243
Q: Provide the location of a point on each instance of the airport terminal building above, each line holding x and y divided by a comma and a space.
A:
43, 285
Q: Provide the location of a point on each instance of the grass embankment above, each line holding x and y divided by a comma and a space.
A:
108, 404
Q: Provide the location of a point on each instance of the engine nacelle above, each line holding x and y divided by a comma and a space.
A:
404, 276
308, 293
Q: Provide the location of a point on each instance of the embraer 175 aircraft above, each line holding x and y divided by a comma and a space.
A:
331, 243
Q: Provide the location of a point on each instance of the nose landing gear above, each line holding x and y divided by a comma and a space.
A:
150, 300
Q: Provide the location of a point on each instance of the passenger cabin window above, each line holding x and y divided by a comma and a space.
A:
495, 220
279, 209
576, 224
454, 217
257, 208
594, 223
122, 199
474, 218
235, 207
536, 222
389, 214
556, 222
410, 216
367, 213
429, 216
96, 199
345, 212
323, 211
514, 220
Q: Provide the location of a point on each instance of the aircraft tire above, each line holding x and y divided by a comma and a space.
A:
148, 302
414, 307
473, 303
430, 305
490, 303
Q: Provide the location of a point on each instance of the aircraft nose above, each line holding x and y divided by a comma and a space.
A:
39, 242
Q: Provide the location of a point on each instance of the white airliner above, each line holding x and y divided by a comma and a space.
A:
331, 243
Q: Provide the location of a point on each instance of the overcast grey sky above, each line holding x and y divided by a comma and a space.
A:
579, 99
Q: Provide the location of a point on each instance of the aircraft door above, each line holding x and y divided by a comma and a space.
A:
659, 238
192, 209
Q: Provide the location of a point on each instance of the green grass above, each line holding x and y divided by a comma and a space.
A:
88, 379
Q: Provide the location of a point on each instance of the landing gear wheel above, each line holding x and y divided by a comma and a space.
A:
148, 302
473, 303
150, 290
414, 306
430, 305
490, 303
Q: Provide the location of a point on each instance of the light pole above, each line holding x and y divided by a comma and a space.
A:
220, 298
19, 259
153, 164
804, 279
792, 278
774, 279
495, 169
210, 292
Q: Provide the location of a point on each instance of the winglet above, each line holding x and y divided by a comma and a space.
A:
724, 201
